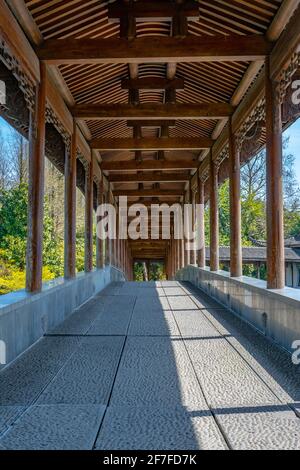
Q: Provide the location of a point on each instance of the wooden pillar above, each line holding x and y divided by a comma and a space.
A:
121, 248
193, 255
182, 253
99, 241
201, 224
148, 269
178, 267
37, 131
214, 217
107, 240
275, 231
70, 206
88, 262
170, 259
186, 251
236, 269
125, 256
179, 245
112, 240
175, 256
116, 241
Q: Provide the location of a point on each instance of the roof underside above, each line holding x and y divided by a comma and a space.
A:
206, 82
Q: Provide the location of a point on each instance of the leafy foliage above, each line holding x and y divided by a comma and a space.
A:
156, 271
253, 201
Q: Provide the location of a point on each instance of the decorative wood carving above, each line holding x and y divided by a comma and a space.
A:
252, 141
25, 84
287, 76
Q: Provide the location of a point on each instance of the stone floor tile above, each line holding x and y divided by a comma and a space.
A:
55, 427
164, 428
88, 376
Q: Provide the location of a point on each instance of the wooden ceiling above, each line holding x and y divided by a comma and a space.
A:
207, 83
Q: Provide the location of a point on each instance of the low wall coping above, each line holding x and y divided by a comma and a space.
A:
286, 295
21, 297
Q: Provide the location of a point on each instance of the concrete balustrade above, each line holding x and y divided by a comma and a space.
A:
25, 317
276, 313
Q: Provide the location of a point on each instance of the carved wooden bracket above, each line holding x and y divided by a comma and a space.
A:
25, 83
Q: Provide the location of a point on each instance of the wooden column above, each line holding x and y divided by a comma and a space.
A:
171, 259
214, 217
175, 256
121, 254
107, 240
88, 263
37, 131
236, 268
179, 245
179, 254
275, 231
125, 256
116, 241
100, 262
193, 256
186, 251
110, 240
182, 253
70, 206
201, 225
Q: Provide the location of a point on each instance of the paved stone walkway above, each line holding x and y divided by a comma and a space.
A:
151, 366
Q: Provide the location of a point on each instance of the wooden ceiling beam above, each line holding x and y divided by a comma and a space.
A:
149, 177
149, 165
153, 11
152, 143
152, 83
154, 111
148, 192
218, 48
148, 204
19, 45
152, 123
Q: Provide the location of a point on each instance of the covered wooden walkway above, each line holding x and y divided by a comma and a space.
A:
157, 101
151, 366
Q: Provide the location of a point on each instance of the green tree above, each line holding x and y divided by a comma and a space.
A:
224, 214
13, 224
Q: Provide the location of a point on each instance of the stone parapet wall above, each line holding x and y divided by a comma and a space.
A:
276, 313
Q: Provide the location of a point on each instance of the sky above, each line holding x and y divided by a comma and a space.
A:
293, 132
4, 127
